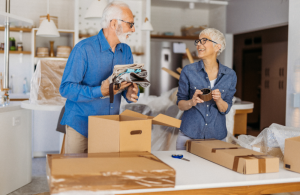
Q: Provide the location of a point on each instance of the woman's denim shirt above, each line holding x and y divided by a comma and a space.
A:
205, 121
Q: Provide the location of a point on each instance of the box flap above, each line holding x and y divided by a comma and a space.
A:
165, 120
133, 114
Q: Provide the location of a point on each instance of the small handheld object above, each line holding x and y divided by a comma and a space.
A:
179, 156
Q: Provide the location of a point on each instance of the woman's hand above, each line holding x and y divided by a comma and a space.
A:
195, 100
216, 95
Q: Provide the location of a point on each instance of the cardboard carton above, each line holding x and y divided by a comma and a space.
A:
291, 154
231, 156
129, 131
107, 171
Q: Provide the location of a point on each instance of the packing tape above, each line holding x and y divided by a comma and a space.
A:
231, 148
188, 143
261, 162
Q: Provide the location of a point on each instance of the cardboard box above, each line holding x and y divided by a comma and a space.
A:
231, 156
129, 131
107, 171
292, 154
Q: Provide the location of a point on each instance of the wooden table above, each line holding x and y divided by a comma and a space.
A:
200, 176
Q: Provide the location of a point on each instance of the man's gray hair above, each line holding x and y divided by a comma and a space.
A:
112, 11
216, 36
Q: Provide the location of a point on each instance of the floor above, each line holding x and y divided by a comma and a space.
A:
39, 179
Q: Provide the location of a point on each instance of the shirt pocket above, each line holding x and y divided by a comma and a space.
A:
193, 89
223, 92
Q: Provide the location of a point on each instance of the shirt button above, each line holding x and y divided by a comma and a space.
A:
207, 105
206, 124
207, 115
111, 107
208, 86
223, 90
195, 87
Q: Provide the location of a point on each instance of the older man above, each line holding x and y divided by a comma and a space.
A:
85, 77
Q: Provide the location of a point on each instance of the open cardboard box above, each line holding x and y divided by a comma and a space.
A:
107, 171
291, 154
231, 156
129, 131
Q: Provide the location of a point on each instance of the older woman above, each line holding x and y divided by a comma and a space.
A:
205, 119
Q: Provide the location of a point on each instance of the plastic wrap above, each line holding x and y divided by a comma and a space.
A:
107, 172
164, 138
46, 81
270, 141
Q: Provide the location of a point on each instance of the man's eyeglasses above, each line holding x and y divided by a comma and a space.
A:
203, 41
130, 23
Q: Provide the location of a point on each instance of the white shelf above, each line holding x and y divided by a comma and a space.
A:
14, 19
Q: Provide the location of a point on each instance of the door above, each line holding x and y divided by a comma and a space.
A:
251, 83
273, 100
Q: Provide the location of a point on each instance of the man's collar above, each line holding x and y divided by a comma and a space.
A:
104, 45
222, 68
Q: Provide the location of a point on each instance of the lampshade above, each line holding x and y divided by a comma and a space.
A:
147, 25
95, 10
47, 29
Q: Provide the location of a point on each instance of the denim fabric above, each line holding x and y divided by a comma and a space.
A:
205, 121
91, 61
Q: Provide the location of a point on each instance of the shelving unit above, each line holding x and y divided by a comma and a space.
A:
174, 37
66, 38
14, 29
84, 36
137, 53
17, 52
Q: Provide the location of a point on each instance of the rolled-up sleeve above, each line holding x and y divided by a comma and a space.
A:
71, 87
230, 93
184, 87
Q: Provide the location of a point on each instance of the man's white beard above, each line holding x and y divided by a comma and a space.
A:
122, 36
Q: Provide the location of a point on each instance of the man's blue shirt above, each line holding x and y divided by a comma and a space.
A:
205, 121
91, 62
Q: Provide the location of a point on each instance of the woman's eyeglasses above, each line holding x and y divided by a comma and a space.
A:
203, 41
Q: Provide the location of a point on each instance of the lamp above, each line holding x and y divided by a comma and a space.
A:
47, 27
147, 25
95, 11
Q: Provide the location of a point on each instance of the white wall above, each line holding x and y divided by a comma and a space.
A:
251, 15
171, 19
217, 19
293, 72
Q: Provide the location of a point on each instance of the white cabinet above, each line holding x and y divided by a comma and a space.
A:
15, 148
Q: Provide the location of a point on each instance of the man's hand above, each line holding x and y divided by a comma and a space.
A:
105, 87
132, 92
216, 95
195, 100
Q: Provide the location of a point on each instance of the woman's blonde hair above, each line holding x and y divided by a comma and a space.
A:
216, 36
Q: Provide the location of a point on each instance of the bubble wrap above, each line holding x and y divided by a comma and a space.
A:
270, 141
